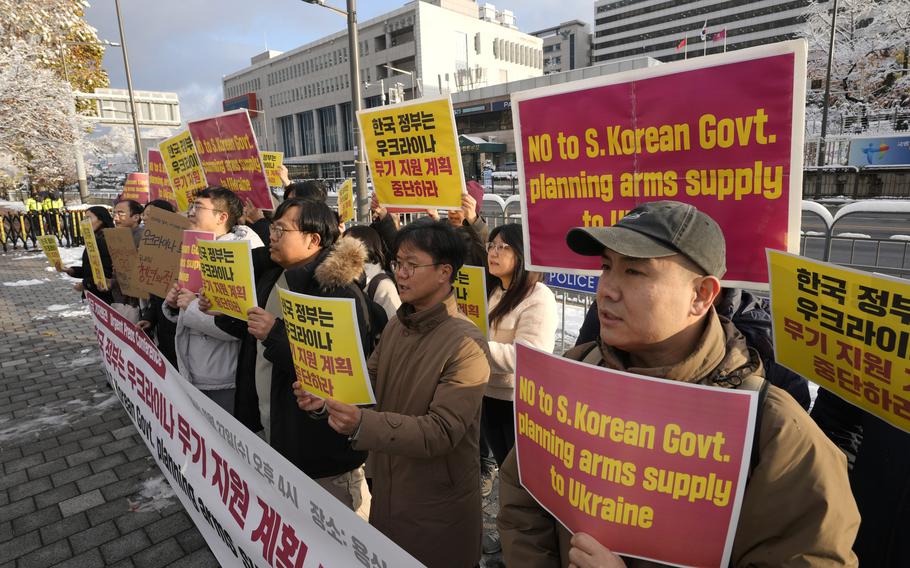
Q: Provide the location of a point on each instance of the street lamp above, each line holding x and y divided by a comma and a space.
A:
821, 142
411, 75
360, 169
129, 88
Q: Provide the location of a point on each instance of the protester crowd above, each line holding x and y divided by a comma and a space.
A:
418, 463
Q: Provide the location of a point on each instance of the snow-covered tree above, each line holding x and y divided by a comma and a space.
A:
871, 48
61, 38
37, 118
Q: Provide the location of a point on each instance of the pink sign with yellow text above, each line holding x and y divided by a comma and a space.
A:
722, 132
651, 468
159, 184
227, 149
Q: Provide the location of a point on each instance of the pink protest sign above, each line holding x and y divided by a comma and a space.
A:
190, 276
646, 466
136, 187
227, 148
159, 184
722, 132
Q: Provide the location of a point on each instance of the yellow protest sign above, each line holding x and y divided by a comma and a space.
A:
413, 152
471, 294
847, 330
183, 168
325, 344
227, 276
48, 244
272, 161
94, 256
346, 201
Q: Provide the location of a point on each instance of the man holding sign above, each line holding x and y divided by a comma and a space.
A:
661, 270
207, 355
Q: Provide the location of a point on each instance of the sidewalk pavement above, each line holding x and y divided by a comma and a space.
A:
78, 486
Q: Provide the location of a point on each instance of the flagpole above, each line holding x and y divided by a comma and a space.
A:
725, 39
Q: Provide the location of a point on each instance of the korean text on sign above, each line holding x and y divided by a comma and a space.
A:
94, 255
471, 295
183, 168
325, 344
847, 330
227, 276
413, 154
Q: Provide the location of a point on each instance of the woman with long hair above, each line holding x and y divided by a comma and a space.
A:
100, 218
521, 307
379, 286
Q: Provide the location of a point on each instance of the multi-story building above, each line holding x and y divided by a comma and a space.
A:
565, 47
656, 28
300, 100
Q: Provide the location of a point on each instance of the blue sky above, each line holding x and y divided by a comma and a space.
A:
188, 45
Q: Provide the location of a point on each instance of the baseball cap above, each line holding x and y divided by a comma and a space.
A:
657, 229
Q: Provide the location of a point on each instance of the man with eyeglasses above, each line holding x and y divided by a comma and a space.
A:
207, 355
305, 256
127, 214
430, 370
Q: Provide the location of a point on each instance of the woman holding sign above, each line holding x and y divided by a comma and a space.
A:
521, 307
100, 218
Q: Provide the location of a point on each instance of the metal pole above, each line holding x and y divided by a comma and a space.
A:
129, 88
360, 169
821, 142
77, 143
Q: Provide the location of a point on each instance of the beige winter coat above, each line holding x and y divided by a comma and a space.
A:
532, 320
797, 510
429, 369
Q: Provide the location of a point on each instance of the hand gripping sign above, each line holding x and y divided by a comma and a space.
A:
646, 466
413, 152
846, 330
227, 276
252, 506
325, 344
723, 133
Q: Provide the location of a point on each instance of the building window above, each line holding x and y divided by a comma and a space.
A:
286, 125
328, 129
307, 133
348, 130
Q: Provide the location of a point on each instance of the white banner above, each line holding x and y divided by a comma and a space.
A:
252, 506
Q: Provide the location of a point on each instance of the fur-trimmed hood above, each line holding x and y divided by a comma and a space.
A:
343, 265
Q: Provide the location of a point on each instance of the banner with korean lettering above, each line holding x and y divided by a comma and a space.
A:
846, 330
125, 260
471, 295
183, 168
230, 157
651, 468
48, 244
346, 201
252, 506
136, 187
325, 344
94, 255
190, 275
413, 152
728, 141
272, 161
159, 183
159, 250
227, 276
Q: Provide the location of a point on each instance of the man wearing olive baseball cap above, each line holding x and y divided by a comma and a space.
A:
661, 270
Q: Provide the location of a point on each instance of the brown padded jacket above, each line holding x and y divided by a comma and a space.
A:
797, 510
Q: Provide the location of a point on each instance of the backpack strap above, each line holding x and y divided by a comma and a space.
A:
592, 356
759, 385
375, 282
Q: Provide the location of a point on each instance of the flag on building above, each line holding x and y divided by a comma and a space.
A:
704, 31
719, 36
681, 44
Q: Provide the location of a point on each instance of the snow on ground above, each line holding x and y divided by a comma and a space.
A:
27, 282
12, 205
29, 257
155, 494
52, 416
